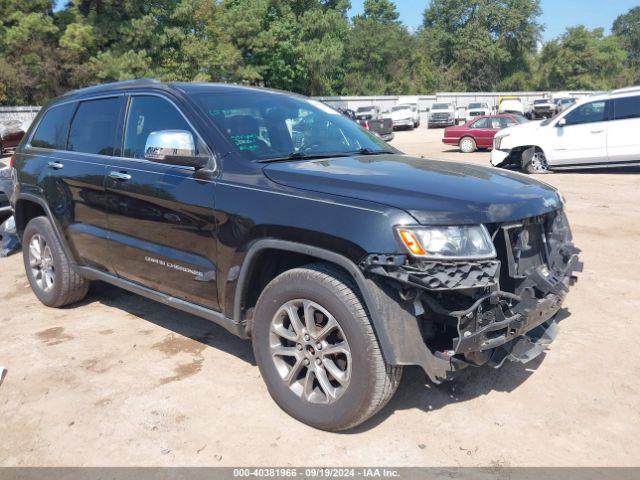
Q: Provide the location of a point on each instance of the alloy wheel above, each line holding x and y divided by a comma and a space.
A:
310, 351
41, 263
467, 145
539, 163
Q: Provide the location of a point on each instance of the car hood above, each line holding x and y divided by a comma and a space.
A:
433, 192
401, 114
527, 128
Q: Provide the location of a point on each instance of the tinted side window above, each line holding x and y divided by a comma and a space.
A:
147, 115
588, 113
93, 129
482, 123
53, 128
628, 107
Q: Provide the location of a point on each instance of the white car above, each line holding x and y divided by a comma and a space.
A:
477, 110
405, 115
511, 105
442, 115
599, 131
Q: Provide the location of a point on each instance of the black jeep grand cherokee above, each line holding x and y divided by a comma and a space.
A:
283, 221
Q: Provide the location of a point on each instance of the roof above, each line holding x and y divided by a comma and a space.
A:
186, 87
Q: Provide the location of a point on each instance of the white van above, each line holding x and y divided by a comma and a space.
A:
598, 131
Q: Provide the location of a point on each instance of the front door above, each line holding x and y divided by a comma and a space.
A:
483, 132
161, 216
583, 138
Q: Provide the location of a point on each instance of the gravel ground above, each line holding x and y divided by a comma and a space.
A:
120, 380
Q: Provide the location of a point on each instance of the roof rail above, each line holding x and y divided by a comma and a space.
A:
627, 89
123, 83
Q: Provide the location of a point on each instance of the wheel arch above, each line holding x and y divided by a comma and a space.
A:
27, 207
310, 254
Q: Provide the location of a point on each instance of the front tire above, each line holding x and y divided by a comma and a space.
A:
467, 145
534, 161
48, 269
317, 351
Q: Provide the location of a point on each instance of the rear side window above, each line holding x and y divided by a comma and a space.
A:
482, 123
93, 129
53, 128
628, 107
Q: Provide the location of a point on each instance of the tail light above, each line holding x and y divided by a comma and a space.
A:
365, 124
12, 161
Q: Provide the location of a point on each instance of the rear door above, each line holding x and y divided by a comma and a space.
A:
161, 216
583, 139
623, 144
74, 142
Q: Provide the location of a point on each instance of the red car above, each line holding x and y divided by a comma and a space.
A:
11, 133
479, 132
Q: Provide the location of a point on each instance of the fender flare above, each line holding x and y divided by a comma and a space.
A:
56, 229
387, 347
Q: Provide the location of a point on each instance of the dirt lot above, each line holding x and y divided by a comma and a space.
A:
119, 380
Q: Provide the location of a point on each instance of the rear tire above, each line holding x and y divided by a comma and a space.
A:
48, 269
534, 161
360, 381
467, 145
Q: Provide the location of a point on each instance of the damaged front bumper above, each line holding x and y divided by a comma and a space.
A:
481, 312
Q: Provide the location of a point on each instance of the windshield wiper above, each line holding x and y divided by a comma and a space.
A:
368, 151
299, 156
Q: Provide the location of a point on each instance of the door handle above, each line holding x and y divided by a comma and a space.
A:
122, 177
55, 165
597, 131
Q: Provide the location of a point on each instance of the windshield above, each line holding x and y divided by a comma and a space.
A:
441, 106
271, 126
538, 102
401, 107
364, 109
476, 105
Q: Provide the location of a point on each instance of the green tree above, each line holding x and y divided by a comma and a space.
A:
29, 62
481, 44
582, 59
627, 28
381, 56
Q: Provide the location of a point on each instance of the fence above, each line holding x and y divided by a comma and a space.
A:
23, 114
384, 102
459, 99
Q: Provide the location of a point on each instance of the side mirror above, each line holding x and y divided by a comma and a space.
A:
175, 147
561, 123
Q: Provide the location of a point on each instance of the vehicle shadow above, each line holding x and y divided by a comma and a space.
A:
608, 171
417, 392
185, 324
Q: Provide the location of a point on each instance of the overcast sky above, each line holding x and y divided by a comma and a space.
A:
557, 15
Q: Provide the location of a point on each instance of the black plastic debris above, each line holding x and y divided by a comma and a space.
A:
9, 242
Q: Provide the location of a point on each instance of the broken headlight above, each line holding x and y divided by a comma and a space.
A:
497, 141
448, 243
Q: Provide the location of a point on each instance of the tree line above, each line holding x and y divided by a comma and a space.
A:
307, 46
